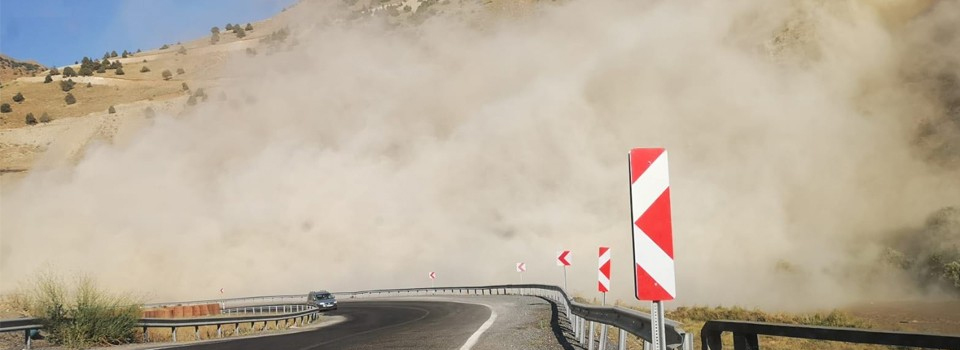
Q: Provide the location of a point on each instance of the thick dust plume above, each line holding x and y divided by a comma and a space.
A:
802, 134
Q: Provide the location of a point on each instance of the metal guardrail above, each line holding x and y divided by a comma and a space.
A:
623, 319
745, 335
297, 314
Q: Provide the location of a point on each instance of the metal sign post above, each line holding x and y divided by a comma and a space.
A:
659, 337
563, 259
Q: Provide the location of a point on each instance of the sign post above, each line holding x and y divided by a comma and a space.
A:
563, 259
603, 285
652, 233
521, 268
433, 277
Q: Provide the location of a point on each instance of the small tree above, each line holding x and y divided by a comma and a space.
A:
249, 27
119, 71
164, 47
214, 30
47, 79
251, 51
5, 108
182, 51
45, 118
69, 72
180, 71
215, 38
30, 120
138, 51
113, 53
144, 69
228, 27
89, 85
166, 74
192, 101
239, 31
111, 110
184, 86
18, 98
103, 69
70, 99
149, 112
54, 71
125, 54
67, 85
86, 71
106, 55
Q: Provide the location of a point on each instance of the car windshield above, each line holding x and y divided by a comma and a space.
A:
324, 296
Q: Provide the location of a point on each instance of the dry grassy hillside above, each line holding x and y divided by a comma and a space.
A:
11, 69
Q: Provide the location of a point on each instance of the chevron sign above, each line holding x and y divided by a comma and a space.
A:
433, 275
603, 275
521, 267
652, 231
563, 258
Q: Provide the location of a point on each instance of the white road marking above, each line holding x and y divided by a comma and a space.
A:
483, 328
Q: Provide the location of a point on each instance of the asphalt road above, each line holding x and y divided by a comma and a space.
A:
378, 325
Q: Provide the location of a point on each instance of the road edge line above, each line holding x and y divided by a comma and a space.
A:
483, 328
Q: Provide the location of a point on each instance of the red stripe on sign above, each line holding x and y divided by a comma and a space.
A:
656, 223
652, 290
640, 160
601, 288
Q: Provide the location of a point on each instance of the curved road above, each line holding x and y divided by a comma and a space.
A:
377, 325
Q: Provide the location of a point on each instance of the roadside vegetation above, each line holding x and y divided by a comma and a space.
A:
79, 314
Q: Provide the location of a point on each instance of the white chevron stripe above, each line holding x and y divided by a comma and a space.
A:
649, 186
654, 260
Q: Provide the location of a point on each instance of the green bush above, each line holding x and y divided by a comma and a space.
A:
144, 69
125, 54
45, 118
166, 74
102, 69
18, 98
113, 53
69, 99
48, 79
69, 72
86, 71
30, 120
67, 85
54, 71
240, 32
119, 71
149, 112
180, 71
164, 47
5, 108
192, 100
214, 38
249, 27
214, 30
182, 51
111, 110
184, 86
81, 315
228, 26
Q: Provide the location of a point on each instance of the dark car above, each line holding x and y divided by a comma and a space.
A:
323, 300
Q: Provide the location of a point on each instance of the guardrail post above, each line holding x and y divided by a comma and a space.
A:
196, 331
173, 332
687, 341
592, 329
603, 337
219, 331
583, 327
745, 341
146, 338
27, 341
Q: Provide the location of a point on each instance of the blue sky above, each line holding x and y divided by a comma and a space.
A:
59, 32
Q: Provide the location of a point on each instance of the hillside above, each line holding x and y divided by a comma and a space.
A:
11, 68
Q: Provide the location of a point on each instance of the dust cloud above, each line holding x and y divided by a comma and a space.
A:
370, 154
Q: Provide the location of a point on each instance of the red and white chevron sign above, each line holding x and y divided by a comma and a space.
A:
563, 258
521, 267
433, 275
652, 227
603, 275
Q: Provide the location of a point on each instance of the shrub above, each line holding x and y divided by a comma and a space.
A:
113, 53
30, 120
70, 99
81, 315
138, 51
119, 71
89, 85
214, 38
184, 86
166, 74
67, 85
5, 108
228, 27
251, 51
47, 79
102, 69
192, 101
182, 51
180, 71
45, 118
86, 71
214, 30
54, 71
69, 72
144, 69
149, 112
125, 54
18, 98
111, 110
106, 55
164, 47
239, 31
249, 27
115, 65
